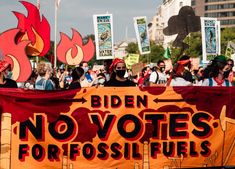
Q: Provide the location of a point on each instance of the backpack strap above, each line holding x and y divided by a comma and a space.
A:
210, 82
157, 78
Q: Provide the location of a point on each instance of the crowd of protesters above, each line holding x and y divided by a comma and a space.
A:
219, 72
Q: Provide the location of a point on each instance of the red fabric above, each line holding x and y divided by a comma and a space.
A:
114, 63
183, 62
230, 77
22, 104
39, 24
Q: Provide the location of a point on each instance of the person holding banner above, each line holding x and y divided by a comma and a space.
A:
6, 82
77, 76
230, 64
216, 72
118, 71
43, 81
181, 75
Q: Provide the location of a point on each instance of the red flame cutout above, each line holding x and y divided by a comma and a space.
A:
15, 54
73, 51
33, 29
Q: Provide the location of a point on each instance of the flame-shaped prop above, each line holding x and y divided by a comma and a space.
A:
73, 51
33, 29
15, 55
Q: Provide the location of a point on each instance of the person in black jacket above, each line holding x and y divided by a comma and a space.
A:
77, 75
118, 70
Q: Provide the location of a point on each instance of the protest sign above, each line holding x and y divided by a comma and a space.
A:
142, 34
103, 27
210, 28
115, 127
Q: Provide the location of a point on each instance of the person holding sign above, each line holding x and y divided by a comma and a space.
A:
118, 70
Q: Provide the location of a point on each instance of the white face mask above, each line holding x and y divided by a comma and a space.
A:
101, 81
86, 69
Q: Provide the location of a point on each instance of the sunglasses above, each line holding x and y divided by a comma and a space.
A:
230, 64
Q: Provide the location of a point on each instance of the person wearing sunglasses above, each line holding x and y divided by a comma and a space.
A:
216, 72
230, 64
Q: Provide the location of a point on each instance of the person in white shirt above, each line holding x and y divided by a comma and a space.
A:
158, 76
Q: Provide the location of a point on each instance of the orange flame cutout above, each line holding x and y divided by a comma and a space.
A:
33, 29
72, 51
15, 54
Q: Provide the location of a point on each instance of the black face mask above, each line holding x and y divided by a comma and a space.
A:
226, 73
120, 73
162, 69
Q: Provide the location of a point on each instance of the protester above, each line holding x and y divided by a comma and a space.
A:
29, 84
68, 78
6, 82
181, 75
61, 76
230, 64
43, 81
88, 80
118, 70
106, 72
77, 76
101, 79
216, 72
144, 78
158, 76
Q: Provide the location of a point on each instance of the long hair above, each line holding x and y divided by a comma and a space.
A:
212, 70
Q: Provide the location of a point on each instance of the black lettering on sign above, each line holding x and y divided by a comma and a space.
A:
200, 121
122, 129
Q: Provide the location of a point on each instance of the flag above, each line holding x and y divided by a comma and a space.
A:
167, 53
57, 2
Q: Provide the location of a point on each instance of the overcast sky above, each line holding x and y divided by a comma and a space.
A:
78, 14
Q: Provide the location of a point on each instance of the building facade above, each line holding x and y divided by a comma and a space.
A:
160, 20
224, 10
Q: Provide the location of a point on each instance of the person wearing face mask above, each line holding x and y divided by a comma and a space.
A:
88, 81
216, 72
101, 79
158, 77
180, 75
4, 81
230, 75
118, 71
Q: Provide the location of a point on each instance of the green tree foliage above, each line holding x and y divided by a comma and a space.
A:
194, 41
156, 54
227, 34
132, 48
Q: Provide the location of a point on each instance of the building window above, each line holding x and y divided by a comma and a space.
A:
193, 2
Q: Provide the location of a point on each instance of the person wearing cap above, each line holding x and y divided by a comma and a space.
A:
6, 82
215, 74
118, 71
